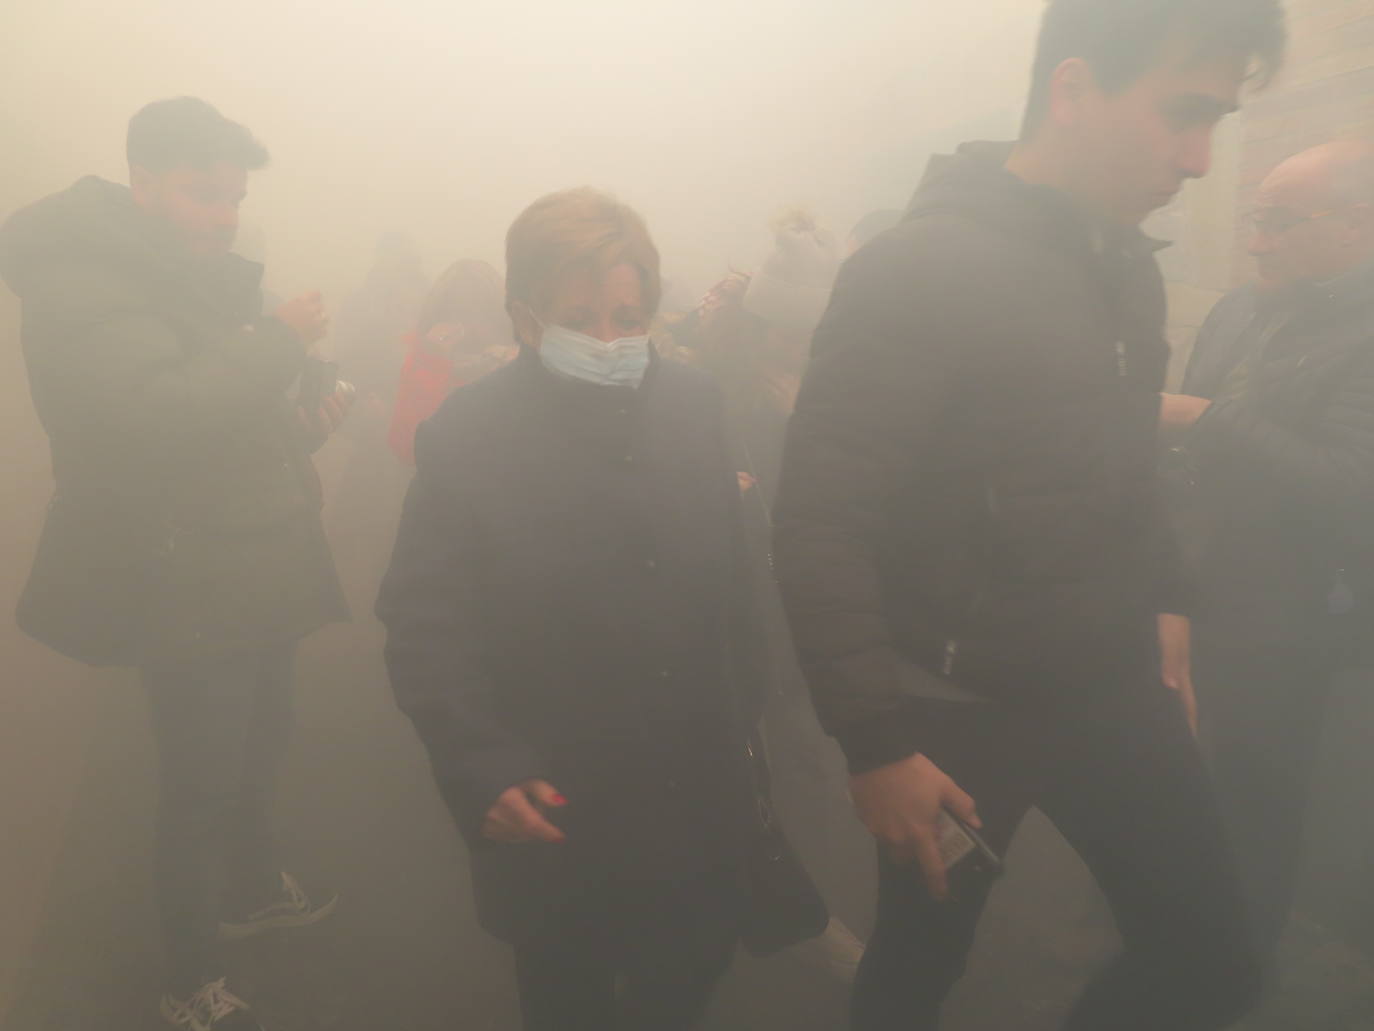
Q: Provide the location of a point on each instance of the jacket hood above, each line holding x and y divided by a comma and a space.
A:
974, 181
95, 221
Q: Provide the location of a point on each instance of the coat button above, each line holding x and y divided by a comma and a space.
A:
664, 674
629, 459
650, 564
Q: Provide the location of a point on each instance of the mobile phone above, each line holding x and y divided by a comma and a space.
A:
968, 859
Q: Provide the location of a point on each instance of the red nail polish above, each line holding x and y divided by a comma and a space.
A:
559, 800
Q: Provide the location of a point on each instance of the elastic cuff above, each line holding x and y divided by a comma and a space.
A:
880, 741
1176, 601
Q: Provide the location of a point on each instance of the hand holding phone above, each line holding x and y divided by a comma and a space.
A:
900, 804
967, 857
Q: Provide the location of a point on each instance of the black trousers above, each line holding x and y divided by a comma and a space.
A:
1124, 782
638, 956
222, 729
1262, 714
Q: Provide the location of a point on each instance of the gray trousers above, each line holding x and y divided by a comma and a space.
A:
221, 729
1262, 715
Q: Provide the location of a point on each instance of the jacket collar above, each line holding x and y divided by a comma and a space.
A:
975, 180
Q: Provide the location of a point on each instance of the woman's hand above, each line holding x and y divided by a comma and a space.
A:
517, 816
1176, 667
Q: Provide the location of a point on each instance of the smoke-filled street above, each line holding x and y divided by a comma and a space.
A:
687, 516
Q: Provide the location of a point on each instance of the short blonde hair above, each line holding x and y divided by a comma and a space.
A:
582, 226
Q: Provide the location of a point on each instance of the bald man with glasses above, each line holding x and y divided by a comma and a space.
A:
1274, 449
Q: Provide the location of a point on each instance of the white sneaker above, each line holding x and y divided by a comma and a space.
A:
213, 1007
293, 909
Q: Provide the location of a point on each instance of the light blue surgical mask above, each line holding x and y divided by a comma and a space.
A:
619, 363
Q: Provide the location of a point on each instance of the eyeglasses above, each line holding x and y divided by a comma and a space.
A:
1277, 221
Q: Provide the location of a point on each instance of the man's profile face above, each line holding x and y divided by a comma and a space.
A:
200, 205
1137, 146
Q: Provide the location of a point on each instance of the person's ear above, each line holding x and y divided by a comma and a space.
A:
1071, 85
527, 331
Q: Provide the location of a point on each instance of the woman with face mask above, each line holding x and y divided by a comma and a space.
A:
568, 628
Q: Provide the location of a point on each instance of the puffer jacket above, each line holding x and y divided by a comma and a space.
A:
969, 488
185, 522
1276, 485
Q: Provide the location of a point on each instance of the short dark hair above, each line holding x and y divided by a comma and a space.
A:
188, 131
1121, 39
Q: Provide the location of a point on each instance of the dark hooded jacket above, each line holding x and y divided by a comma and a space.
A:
185, 523
1277, 477
969, 486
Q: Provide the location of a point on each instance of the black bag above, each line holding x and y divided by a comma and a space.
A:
784, 906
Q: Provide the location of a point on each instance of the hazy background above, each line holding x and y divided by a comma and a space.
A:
443, 120
446, 118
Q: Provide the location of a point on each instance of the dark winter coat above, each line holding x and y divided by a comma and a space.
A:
566, 601
1280, 469
969, 484
185, 523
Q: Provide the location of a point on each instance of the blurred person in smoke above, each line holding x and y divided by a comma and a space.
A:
567, 628
184, 537
1275, 441
971, 541
373, 318
463, 334
788, 294
363, 482
754, 330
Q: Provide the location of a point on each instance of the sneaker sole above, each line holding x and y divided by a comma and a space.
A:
165, 1008
287, 921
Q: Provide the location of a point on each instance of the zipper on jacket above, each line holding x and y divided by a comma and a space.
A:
1122, 366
